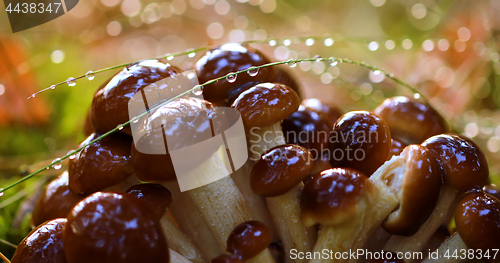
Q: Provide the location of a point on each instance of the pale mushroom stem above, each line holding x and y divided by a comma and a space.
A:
418, 241
179, 242
285, 210
452, 244
191, 223
177, 258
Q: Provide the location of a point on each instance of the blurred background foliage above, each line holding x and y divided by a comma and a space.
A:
447, 49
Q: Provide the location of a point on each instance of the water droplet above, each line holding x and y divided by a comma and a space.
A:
32, 96
119, 127
231, 77
56, 164
329, 42
71, 82
287, 42
253, 71
304, 243
72, 157
291, 63
1, 192
272, 43
198, 90
309, 42
391, 75
51, 87
169, 56
135, 121
377, 72
191, 54
333, 62
417, 96
318, 58
90, 75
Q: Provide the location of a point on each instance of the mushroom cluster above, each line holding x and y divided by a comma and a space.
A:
317, 182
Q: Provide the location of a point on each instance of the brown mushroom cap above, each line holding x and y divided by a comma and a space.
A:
56, 201
178, 124
418, 194
307, 129
393, 258
266, 104
360, 140
225, 258
411, 120
156, 196
462, 162
334, 196
280, 169
493, 190
328, 112
43, 245
248, 239
101, 164
477, 219
396, 148
110, 104
110, 227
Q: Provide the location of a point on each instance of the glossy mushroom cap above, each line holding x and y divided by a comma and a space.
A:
307, 129
418, 193
493, 190
477, 219
462, 162
360, 140
230, 58
56, 201
248, 239
156, 196
328, 112
181, 123
334, 196
101, 164
266, 104
411, 120
280, 169
110, 105
225, 258
43, 245
393, 258
110, 227
396, 148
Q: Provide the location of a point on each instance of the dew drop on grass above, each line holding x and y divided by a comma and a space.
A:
169, 56
191, 55
1, 192
291, 63
51, 87
56, 163
417, 96
377, 72
72, 157
120, 128
198, 90
333, 62
231, 77
272, 43
90, 75
253, 71
318, 58
71, 82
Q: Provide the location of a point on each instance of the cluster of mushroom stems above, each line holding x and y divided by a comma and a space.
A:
388, 180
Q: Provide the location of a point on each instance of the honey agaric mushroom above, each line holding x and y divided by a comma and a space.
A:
463, 167
360, 140
328, 112
249, 240
43, 245
411, 121
106, 227
101, 164
477, 219
233, 57
226, 258
350, 208
158, 198
337, 199
56, 201
110, 104
185, 122
278, 176
262, 109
